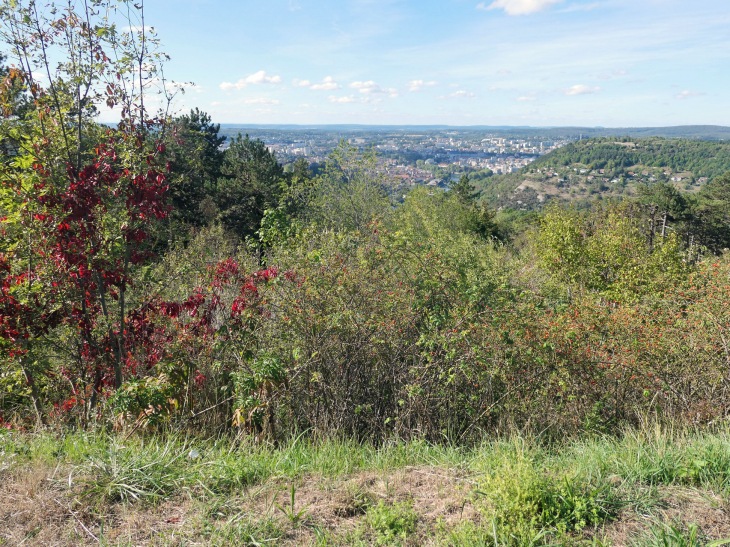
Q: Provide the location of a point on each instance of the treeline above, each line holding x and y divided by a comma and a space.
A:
702, 158
233, 187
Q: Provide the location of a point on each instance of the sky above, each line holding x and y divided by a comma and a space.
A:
612, 63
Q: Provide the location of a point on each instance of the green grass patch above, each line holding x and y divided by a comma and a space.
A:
391, 524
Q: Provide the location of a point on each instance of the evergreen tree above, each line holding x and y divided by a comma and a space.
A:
196, 161
463, 189
712, 215
251, 182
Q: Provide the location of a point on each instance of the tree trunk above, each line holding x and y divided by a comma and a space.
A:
652, 229
37, 405
113, 340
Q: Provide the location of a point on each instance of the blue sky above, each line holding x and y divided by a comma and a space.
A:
458, 62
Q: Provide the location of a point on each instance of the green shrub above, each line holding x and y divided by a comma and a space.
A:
391, 523
148, 400
522, 501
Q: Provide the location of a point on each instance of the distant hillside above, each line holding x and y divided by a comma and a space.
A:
608, 167
704, 132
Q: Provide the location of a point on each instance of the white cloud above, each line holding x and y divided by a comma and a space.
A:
580, 90
453, 85
259, 77
526, 99
328, 84
687, 94
518, 7
227, 86
372, 88
461, 94
582, 7
504, 71
417, 85
296, 82
263, 100
350, 99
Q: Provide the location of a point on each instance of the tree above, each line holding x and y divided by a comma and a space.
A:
195, 165
78, 199
481, 219
604, 250
349, 192
663, 204
463, 189
251, 182
711, 215
14, 92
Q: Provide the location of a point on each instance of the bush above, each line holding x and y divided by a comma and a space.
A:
391, 524
524, 503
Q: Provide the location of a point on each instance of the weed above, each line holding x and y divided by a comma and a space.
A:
356, 502
524, 504
391, 524
125, 474
675, 535
465, 534
569, 508
244, 529
293, 517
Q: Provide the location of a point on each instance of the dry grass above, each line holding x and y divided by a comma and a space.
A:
684, 506
39, 509
338, 505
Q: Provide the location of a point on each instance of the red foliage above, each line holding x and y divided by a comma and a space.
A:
77, 266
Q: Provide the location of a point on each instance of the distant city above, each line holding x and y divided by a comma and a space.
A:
429, 157
435, 155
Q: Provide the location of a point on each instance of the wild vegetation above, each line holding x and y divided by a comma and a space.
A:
186, 327
609, 168
702, 158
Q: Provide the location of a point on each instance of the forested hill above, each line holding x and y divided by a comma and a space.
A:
701, 158
608, 167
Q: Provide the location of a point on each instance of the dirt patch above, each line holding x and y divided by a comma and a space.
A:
709, 512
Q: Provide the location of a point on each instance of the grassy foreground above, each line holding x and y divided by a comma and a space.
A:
645, 488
